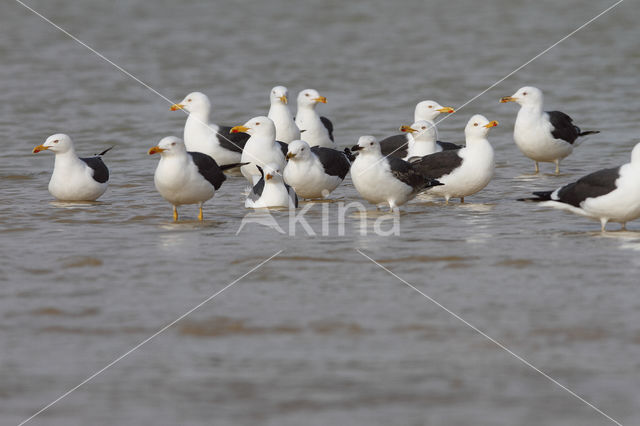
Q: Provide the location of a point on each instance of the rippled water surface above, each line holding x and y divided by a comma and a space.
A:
318, 335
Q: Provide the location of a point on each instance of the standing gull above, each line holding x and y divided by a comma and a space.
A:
608, 195
387, 180
543, 136
314, 172
261, 148
271, 191
74, 178
200, 135
396, 145
464, 171
279, 113
315, 130
186, 177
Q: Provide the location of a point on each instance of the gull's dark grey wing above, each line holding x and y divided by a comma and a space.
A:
208, 168
100, 170
438, 164
334, 162
395, 146
404, 171
592, 185
328, 125
231, 141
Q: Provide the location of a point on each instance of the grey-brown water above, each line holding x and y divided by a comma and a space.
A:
319, 335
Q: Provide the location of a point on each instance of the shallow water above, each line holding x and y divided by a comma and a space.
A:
319, 335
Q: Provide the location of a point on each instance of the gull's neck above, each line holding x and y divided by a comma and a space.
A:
67, 158
533, 109
278, 108
306, 111
476, 141
421, 147
266, 138
198, 123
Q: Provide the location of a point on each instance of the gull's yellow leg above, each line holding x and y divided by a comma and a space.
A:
200, 217
175, 214
603, 223
557, 167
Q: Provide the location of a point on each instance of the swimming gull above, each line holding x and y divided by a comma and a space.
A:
74, 178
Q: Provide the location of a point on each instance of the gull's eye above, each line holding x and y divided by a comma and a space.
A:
475, 124
257, 123
424, 127
306, 94
524, 93
370, 143
430, 106
188, 100
56, 141
274, 92
173, 144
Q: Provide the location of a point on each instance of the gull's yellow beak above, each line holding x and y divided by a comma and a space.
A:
284, 99
508, 99
155, 150
321, 99
176, 107
39, 148
446, 109
239, 129
268, 176
407, 129
490, 124
290, 155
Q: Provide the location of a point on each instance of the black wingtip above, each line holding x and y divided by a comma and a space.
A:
105, 151
540, 196
433, 182
589, 132
232, 166
350, 156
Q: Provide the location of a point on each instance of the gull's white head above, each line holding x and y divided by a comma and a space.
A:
367, 144
58, 143
298, 151
258, 126
279, 95
309, 98
525, 96
272, 173
478, 127
421, 130
635, 154
430, 110
193, 102
169, 145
